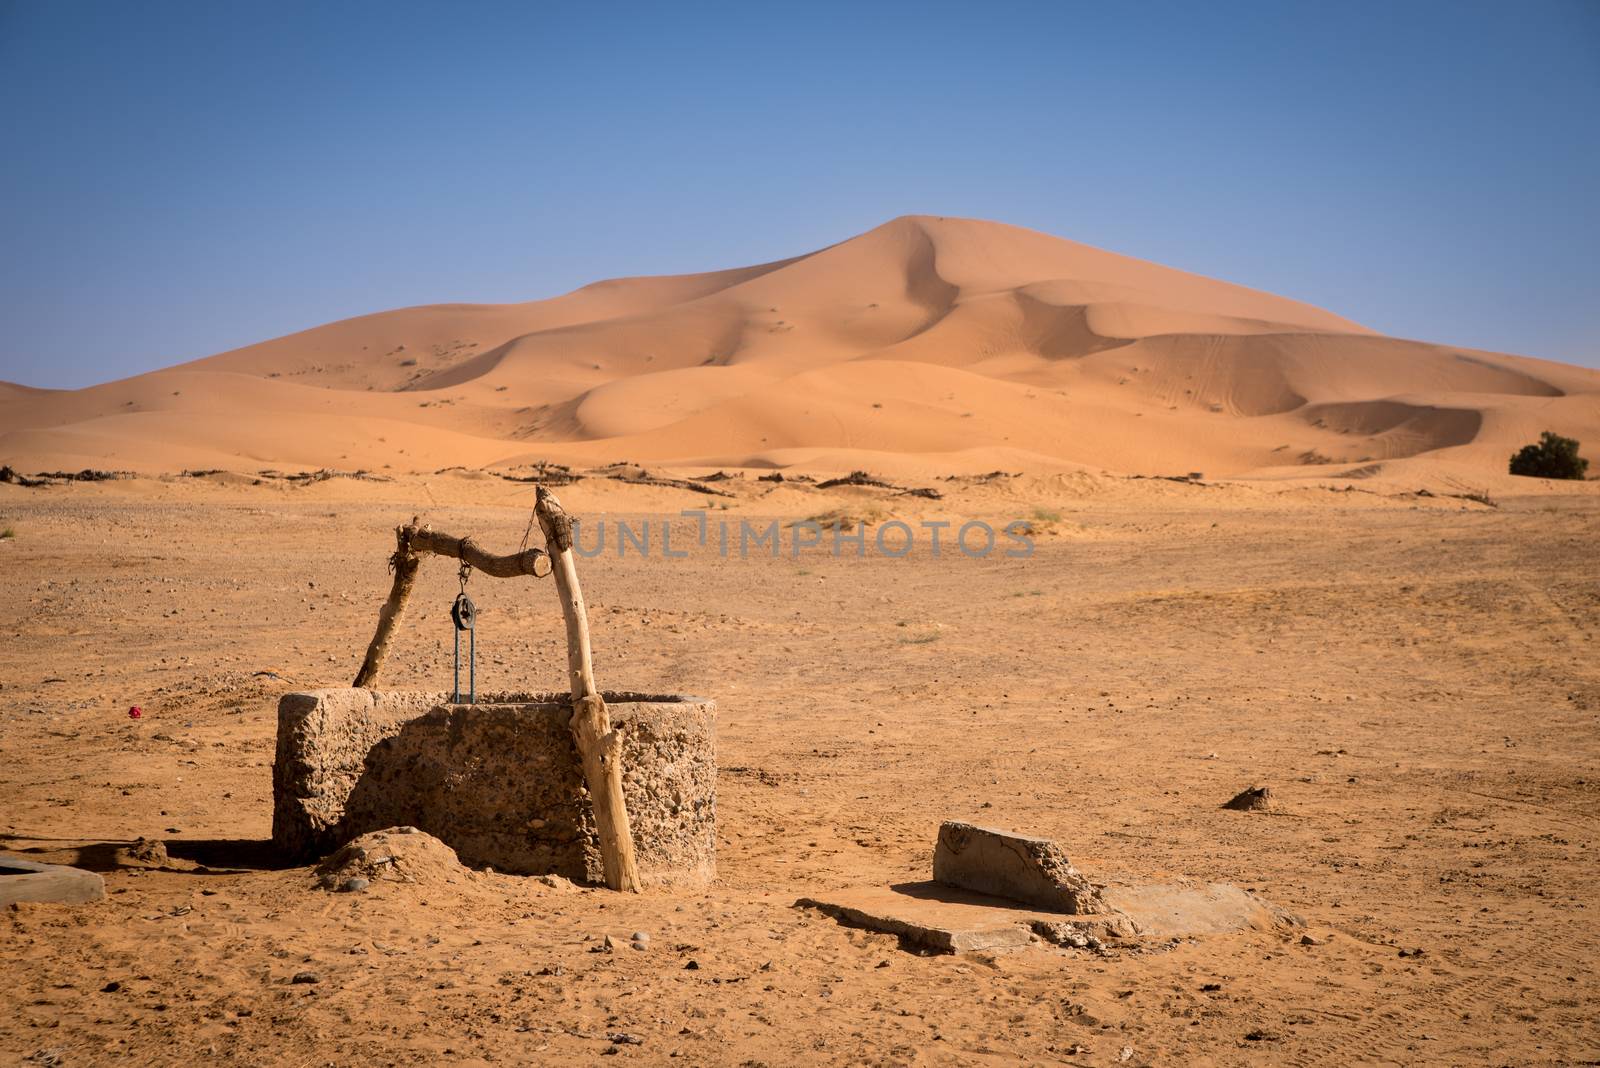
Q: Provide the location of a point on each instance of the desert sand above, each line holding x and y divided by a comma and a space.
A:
1412, 675
927, 345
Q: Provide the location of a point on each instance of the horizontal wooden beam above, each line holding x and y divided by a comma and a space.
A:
411, 542
535, 562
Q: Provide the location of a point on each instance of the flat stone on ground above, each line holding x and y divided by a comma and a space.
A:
931, 916
941, 918
28, 880
1185, 908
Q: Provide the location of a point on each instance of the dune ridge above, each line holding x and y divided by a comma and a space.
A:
978, 342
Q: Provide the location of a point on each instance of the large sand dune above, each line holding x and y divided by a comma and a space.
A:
980, 344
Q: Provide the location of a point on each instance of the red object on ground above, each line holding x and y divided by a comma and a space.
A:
135, 712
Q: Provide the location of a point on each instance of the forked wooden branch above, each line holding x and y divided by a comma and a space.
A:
410, 542
598, 744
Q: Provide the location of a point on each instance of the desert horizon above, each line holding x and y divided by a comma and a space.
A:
928, 345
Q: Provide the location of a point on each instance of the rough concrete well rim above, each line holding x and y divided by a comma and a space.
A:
521, 697
563, 699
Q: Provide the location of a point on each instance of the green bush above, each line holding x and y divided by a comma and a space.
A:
1554, 457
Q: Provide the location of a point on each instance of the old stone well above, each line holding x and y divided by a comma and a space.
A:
499, 780
615, 788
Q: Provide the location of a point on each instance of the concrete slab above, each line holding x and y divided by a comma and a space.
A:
934, 916
28, 880
1184, 908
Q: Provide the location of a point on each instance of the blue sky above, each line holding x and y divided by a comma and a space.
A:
184, 178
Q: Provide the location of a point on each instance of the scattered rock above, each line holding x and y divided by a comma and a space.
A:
556, 882
692, 966
1312, 940
1070, 935
1413, 953
303, 978
641, 936
1263, 1035
1255, 799
623, 1038
354, 884
144, 853
111, 987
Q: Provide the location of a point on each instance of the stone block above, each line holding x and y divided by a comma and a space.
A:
499, 781
28, 880
1017, 867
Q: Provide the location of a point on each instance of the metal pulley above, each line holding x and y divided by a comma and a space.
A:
464, 614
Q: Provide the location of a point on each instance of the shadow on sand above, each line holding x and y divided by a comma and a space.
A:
192, 856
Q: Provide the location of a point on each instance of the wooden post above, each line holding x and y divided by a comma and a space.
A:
598, 744
411, 541
404, 565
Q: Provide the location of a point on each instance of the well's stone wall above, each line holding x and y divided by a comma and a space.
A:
499, 781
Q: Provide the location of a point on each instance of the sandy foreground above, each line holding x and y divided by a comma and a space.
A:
1413, 675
